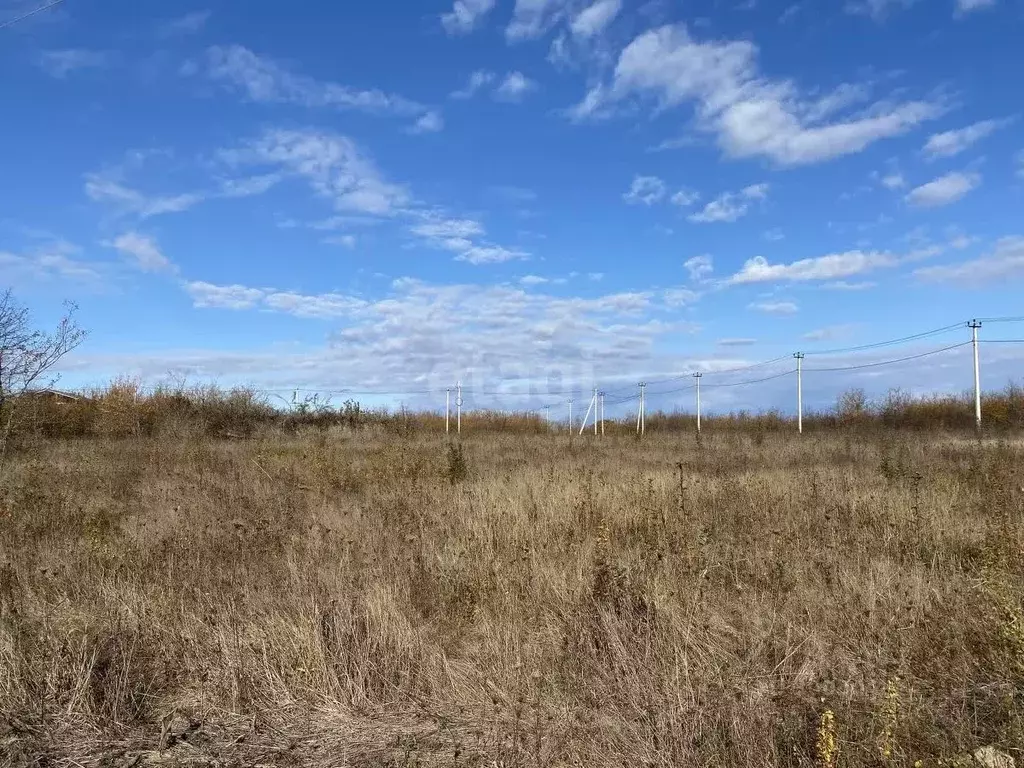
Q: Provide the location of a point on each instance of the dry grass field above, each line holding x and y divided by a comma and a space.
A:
355, 598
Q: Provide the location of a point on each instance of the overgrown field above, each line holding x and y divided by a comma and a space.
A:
351, 598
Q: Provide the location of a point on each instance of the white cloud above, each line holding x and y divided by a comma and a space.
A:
107, 189
477, 80
49, 262
736, 342
775, 307
943, 190
749, 114
533, 18
699, 267
966, 6
645, 189
1006, 262
348, 241
490, 254
685, 197
263, 80
730, 206
876, 9
430, 122
460, 237
951, 143
594, 18
1020, 163
533, 280
448, 229
843, 285
830, 267
143, 250
60, 64
208, 295
331, 163
514, 87
830, 333
189, 24
893, 180
680, 297
773, 235
465, 16
249, 186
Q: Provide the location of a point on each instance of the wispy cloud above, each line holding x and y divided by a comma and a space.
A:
263, 80
477, 80
830, 333
876, 9
532, 18
60, 64
189, 24
593, 19
749, 114
143, 252
966, 6
774, 307
332, 164
103, 188
699, 267
830, 267
430, 122
1005, 262
646, 190
943, 190
949, 143
514, 87
465, 16
736, 342
730, 206
50, 261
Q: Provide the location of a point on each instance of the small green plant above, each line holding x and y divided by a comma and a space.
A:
457, 469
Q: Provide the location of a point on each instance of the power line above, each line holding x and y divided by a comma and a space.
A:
888, 362
890, 342
752, 381
40, 9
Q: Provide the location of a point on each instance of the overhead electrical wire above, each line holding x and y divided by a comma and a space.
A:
40, 9
887, 362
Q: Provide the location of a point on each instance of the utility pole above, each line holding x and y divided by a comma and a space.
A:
458, 406
799, 391
447, 409
974, 325
601, 411
570, 416
698, 377
591, 407
641, 424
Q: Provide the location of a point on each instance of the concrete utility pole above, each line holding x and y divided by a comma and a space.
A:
570, 415
799, 392
447, 409
697, 377
974, 325
458, 406
641, 424
601, 411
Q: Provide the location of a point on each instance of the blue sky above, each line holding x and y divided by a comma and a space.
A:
528, 195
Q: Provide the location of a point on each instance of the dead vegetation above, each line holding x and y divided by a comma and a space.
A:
330, 596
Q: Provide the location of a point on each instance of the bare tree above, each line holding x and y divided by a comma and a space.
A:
27, 357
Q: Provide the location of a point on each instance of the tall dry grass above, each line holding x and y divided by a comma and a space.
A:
354, 598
